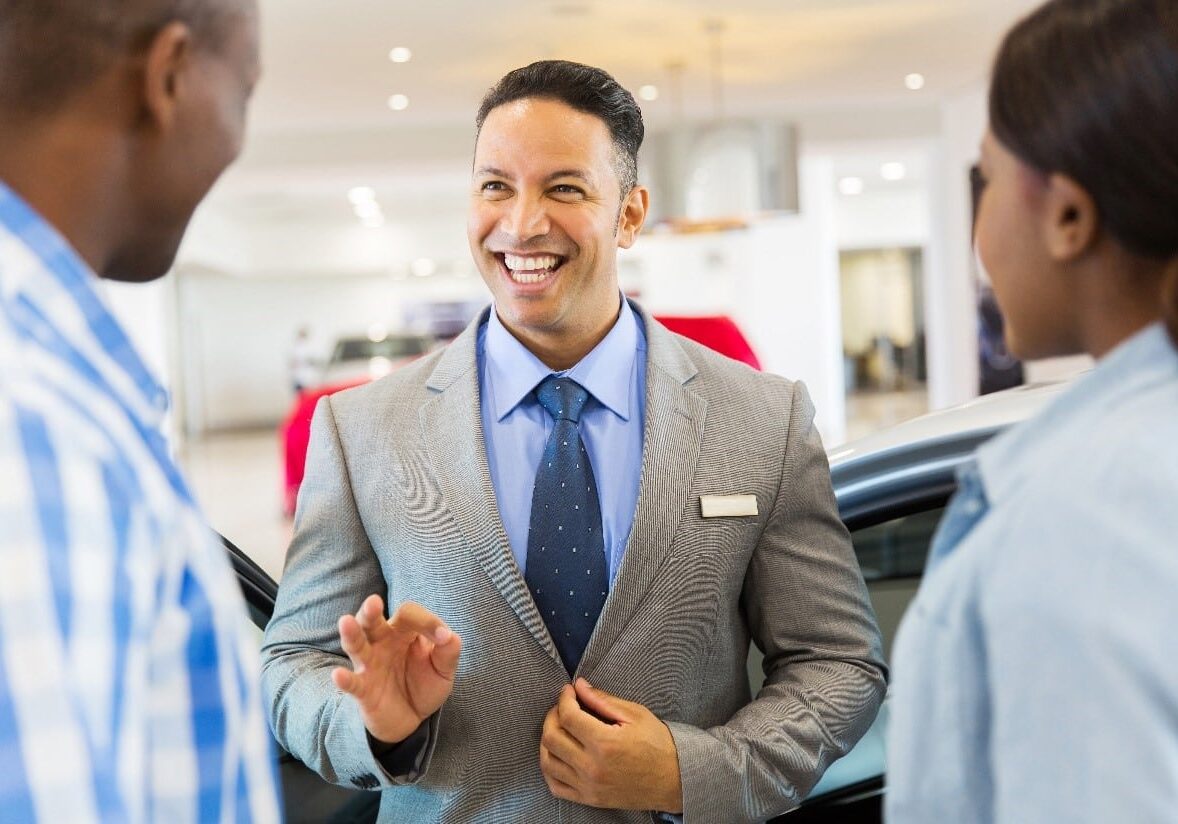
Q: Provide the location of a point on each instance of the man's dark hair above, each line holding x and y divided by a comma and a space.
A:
49, 49
1086, 88
586, 89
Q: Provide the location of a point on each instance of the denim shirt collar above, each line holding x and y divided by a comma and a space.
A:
1134, 365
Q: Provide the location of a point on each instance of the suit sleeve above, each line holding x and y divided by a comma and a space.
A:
807, 609
330, 569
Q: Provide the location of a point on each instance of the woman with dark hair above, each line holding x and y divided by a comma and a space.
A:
1036, 673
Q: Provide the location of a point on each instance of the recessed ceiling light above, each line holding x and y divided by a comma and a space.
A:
423, 267
398, 102
649, 92
914, 81
400, 54
368, 209
851, 185
361, 194
893, 171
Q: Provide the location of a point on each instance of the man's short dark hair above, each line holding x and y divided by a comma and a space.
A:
586, 89
49, 49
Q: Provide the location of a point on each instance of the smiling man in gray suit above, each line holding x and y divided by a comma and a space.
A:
605, 512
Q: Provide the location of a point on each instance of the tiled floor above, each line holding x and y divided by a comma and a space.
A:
869, 412
238, 476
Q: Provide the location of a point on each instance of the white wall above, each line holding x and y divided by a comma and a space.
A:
883, 219
950, 294
778, 278
146, 311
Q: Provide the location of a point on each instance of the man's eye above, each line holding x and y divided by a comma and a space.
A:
493, 186
566, 189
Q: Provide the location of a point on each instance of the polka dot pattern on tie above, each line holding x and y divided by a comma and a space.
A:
566, 522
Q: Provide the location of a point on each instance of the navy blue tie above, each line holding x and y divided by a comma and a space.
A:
566, 569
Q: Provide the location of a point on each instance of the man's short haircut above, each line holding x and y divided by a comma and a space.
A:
49, 49
586, 89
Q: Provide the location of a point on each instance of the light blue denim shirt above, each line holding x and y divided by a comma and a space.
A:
516, 427
1036, 673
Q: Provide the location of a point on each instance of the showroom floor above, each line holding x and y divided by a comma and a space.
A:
238, 475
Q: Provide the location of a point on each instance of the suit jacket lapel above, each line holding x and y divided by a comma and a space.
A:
452, 430
671, 442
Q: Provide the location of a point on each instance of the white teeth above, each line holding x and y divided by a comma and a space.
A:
538, 263
528, 277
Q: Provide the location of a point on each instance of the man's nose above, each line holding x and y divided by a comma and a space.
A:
526, 218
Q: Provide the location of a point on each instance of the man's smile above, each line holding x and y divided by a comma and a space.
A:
528, 269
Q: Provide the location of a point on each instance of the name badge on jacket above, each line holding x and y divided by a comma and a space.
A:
727, 506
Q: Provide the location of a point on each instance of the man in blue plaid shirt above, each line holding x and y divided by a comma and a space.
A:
128, 684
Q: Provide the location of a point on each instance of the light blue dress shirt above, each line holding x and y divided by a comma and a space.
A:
129, 685
516, 427
1036, 672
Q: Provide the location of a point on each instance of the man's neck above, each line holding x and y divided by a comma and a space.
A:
66, 177
563, 350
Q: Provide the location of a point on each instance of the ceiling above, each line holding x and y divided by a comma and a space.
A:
327, 66
320, 122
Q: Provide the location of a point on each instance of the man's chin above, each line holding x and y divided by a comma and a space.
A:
141, 265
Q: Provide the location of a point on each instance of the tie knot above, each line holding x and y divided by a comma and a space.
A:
562, 398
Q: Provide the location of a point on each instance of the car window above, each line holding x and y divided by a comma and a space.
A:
892, 556
391, 347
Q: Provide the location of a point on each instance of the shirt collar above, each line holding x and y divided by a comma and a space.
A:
1127, 371
67, 313
606, 372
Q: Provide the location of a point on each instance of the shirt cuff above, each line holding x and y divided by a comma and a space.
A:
404, 757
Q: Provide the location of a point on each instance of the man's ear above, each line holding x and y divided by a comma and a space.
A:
633, 216
1071, 220
168, 56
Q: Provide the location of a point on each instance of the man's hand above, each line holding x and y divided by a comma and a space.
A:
402, 669
626, 762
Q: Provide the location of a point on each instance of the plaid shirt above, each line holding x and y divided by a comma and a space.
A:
128, 680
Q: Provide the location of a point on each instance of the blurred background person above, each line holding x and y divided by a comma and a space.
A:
1035, 678
304, 366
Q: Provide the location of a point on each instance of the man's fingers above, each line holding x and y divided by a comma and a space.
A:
582, 726
411, 618
558, 788
444, 656
353, 640
345, 679
557, 741
609, 708
371, 619
553, 767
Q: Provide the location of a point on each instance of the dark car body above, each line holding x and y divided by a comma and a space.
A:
891, 489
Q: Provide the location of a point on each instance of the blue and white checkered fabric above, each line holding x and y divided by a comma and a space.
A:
128, 685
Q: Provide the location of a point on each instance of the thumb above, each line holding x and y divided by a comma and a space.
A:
608, 707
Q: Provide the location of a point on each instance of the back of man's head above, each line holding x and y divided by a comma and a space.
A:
586, 89
116, 117
51, 50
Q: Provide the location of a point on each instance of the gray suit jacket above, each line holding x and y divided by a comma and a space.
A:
398, 500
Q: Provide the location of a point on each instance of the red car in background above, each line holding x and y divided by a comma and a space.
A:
718, 332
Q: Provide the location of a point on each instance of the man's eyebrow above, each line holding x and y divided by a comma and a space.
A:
577, 173
490, 171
